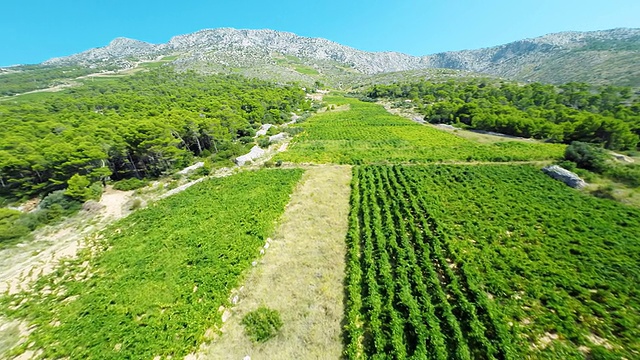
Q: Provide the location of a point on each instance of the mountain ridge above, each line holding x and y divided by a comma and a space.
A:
542, 58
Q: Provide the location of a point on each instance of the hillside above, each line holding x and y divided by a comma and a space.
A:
602, 57
599, 57
157, 204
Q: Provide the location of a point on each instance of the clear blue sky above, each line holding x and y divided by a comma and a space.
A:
33, 31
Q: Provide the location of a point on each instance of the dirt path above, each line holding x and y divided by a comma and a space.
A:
301, 275
21, 265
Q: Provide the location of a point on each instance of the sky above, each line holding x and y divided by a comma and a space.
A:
36, 30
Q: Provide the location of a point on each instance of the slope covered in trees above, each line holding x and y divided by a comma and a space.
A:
606, 115
142, 125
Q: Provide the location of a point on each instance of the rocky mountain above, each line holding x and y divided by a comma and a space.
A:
609, 56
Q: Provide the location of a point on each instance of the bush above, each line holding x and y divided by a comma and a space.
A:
95, 191
293, 130
604, 192
569, 165
10, 226
627, 174
136, 204
129, 184
246, 139
59, 200
263, 142
586, 156
262, 324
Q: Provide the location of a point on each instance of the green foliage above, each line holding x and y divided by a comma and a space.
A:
78, 188
159, 274
570, 112
130, 184
482, 272
136, 204
15, 225
626, 174
262, 324
10, 227
59, 200
567, 164
143, 126
31, 77
263, 141
586, 156
306, 70
367, 133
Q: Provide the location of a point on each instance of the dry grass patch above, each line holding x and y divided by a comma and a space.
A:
301, 275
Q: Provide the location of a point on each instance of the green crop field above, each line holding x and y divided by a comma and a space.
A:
488, 262
366, 133
153, 285
306, 70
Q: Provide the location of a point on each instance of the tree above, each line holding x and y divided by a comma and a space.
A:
78, 188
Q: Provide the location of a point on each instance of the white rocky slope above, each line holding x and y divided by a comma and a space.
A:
246, 48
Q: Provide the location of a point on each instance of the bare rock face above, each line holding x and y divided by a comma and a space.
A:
278, 137
565, 176
254, 154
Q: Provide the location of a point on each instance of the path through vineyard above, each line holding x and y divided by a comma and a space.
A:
301, 275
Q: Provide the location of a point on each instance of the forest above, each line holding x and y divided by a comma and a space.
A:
607, 115
140, 126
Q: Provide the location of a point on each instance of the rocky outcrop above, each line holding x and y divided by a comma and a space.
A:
278, 137
255, 153
565, 176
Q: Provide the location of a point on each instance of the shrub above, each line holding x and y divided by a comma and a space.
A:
10, 227
95, 191
567, 164
627, 174
262, 324
263, 142
604, 192
293, 130
129, 184
136, 204
59, 200
245, 139
586, 156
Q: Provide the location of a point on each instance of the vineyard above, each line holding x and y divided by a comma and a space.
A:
153, 285
442, 266
366, 133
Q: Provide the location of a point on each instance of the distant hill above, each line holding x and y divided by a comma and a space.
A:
600, 57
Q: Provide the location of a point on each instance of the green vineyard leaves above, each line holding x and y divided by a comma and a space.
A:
443, 266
